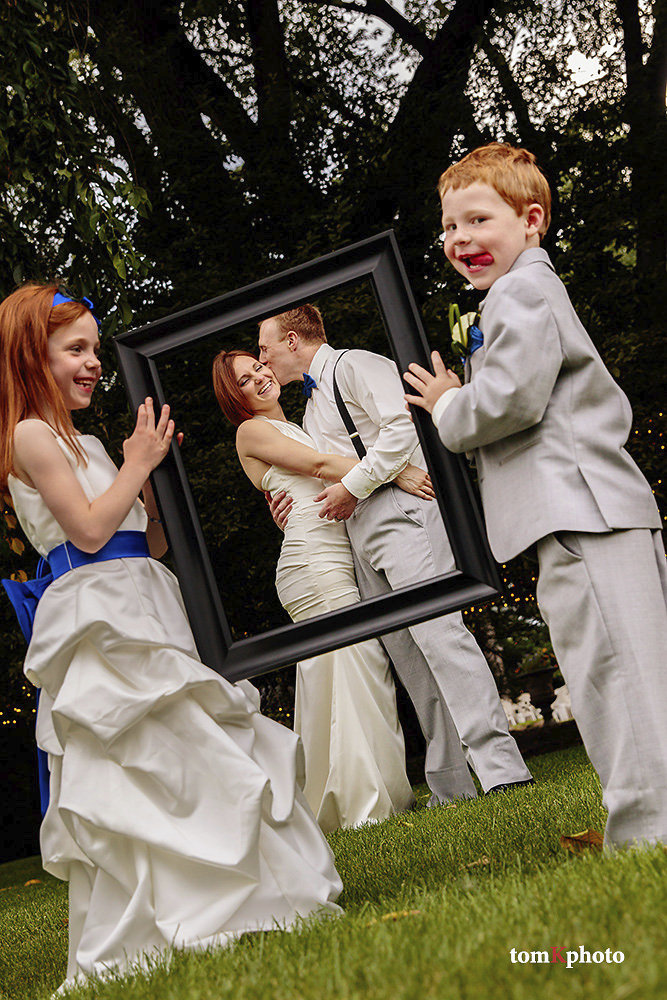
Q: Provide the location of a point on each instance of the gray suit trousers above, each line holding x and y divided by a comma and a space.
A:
398, 540
604, 598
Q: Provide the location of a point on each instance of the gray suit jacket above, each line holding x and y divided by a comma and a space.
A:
545, 420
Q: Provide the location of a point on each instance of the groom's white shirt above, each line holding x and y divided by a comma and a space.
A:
373, 393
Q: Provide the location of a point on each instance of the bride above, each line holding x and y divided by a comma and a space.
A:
345, 707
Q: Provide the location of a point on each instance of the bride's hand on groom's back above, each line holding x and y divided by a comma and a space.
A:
280, 506
414, 480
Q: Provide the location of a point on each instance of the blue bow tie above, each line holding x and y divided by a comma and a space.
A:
475, 339
308, 385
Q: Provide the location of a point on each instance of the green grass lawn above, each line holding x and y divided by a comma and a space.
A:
434, 902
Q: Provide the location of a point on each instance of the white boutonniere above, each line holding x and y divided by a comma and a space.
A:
466, 334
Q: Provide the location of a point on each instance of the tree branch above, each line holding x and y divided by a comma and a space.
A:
471, 130
173, 87
272, 84
656, 64
645, 114
276, 162
529, 134
632, 42
144, 41
384, 11
158, 27
418, 140
533, 138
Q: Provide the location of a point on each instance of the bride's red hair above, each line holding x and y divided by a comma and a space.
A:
27, 387
232, 402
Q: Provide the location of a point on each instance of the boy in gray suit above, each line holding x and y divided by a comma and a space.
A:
547, 426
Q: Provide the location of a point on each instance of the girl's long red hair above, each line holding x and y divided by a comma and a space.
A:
27, 387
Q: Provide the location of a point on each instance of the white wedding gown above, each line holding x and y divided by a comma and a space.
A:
175, 808
345, 709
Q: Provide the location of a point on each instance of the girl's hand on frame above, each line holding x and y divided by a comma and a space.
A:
149, 442
414, 480
89, 524
155, 536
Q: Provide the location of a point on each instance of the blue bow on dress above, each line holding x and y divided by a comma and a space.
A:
308, 385
25, 596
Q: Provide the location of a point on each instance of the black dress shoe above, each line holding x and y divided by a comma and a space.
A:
508, 785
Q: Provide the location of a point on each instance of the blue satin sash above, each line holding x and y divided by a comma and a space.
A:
25, 596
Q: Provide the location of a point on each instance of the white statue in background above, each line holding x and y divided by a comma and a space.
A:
509, 709
561, 706
525, 711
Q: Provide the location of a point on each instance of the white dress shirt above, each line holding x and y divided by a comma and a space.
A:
373, 393
443, 402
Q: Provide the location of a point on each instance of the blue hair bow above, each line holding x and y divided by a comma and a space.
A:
59, 298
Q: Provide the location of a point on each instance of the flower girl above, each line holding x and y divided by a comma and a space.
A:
176, 812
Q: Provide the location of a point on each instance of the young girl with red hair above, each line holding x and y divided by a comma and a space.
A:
175, 812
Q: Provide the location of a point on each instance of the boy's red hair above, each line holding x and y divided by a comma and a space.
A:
27, 387
512, 172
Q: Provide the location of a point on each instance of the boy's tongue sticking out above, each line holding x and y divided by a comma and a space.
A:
477, 259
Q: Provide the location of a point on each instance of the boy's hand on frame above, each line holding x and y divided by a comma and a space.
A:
430, 387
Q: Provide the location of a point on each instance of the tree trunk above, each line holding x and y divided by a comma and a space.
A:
645, 114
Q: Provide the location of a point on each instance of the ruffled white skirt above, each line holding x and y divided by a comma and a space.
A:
176, 812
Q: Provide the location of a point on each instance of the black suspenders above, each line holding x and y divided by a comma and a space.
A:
345, 414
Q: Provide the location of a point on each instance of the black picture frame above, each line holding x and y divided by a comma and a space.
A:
476, 578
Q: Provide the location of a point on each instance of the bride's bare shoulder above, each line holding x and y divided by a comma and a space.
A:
254, 429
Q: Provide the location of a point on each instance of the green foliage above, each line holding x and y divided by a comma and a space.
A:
67, 203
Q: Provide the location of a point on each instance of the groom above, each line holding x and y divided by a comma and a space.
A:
397, 540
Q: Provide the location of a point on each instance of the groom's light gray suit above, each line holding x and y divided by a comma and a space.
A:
547, 425
398, 540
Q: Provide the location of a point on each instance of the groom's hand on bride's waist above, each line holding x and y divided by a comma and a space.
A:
280, 506
337, 503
